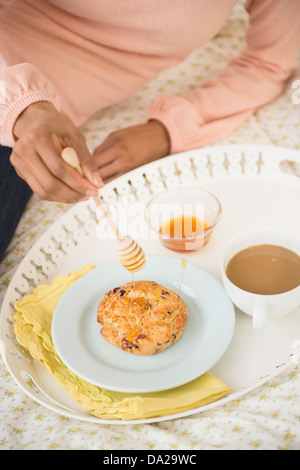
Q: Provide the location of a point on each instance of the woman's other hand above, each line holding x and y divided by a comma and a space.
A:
42, 133
130, 148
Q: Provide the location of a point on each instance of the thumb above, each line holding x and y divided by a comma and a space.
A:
89, 165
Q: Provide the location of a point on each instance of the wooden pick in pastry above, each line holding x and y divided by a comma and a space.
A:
131, 255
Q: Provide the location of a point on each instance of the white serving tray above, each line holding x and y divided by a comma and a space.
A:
255, 193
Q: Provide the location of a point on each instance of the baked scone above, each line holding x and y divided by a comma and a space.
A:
142, 317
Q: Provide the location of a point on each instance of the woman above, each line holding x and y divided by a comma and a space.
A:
62, 61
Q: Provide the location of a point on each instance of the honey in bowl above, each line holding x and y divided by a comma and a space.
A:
184, 232
183, 218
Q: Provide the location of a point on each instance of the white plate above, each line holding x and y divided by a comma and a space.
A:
208, 333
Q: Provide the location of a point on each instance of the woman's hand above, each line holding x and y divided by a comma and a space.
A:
130, 148
42, 133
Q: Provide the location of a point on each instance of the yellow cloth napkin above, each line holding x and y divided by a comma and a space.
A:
32, 326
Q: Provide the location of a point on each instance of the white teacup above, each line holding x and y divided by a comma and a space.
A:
261, 307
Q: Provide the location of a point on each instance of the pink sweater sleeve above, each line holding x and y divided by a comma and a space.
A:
252, 79
20, 86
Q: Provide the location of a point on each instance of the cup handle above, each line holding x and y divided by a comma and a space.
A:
260, 314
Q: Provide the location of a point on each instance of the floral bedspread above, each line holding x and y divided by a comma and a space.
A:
266, 418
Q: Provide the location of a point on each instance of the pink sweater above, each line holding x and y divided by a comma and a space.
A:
86, 55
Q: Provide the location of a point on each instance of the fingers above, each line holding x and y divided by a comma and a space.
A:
38, 160
42, 133
131, 147
41, 181
88, 164
51, 156
111, 170
117, 175
112, 158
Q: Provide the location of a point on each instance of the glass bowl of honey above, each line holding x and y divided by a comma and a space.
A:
183, 218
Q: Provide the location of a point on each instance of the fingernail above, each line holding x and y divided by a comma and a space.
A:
84, 199
97, 179
91, 192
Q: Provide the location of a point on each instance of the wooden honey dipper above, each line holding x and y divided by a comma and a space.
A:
131, 255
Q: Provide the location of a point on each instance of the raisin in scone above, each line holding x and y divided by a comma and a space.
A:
142, 317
